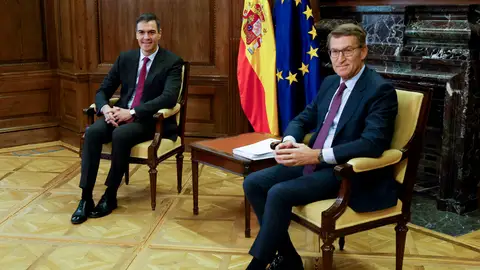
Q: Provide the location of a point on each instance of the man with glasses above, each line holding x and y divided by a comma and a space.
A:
150, 79
353, 116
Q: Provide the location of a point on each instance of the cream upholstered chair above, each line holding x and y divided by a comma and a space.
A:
157, 150
333, 218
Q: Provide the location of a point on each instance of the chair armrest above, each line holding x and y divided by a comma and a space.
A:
90, 110
330, 216
346, 172
389, 157
157, 138
93, 108
90, 113
307, 138
166, 113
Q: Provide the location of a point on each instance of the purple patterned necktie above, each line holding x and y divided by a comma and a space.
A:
322, 135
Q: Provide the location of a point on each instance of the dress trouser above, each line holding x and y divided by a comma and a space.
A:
273, 192
123, 138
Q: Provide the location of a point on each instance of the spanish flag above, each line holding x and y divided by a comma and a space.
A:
256, 67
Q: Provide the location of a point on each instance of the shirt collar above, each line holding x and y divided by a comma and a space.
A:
151, 56
351, 82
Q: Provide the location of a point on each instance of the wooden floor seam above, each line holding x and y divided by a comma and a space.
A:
35, 232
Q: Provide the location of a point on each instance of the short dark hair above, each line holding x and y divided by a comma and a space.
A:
348, 29
146, 17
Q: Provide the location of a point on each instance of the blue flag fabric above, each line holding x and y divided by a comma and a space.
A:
298, 64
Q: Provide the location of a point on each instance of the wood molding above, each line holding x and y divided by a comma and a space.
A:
28, 127
74, 77
26, 100
22, 77
68, 136
23, 67
44, 133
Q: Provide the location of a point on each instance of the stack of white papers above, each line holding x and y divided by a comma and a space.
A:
256, 151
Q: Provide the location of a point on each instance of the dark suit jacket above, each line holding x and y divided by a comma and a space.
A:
365, 129
160, 91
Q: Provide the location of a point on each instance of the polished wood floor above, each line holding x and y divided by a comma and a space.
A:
39, 191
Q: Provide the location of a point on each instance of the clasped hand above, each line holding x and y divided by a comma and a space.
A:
116, 115
295, 154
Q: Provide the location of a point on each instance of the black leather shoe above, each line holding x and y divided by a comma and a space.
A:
286, 263
104, 207
83, 210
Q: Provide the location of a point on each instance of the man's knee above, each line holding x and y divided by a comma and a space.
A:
123, 137
277, 192
250, 184
95, 132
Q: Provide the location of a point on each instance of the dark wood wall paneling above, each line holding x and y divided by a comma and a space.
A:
28, 86
58, 52
55, 54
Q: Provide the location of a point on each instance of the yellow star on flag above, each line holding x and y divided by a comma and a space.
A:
312, 52
283, 1
279, 75
304, 69
313, 32
292, 77
297, 2
308, 12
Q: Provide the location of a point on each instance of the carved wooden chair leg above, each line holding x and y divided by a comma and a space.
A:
401, 237
327, 251
179, 171
153, 185
317, 259
127, 175
341, 242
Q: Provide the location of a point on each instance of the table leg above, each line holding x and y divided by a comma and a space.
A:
195, 186
247, 218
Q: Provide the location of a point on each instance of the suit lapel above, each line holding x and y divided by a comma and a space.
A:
153, 69
132, 77
353, 101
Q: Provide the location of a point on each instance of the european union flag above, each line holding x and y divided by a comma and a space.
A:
298, 65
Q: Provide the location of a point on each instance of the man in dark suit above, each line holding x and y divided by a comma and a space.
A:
150, 79
353, 116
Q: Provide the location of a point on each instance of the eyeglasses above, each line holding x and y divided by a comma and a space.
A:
348, 52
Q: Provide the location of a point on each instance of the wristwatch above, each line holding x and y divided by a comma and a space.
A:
320, 156
132, 112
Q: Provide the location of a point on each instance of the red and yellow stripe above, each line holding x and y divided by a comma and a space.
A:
256, 74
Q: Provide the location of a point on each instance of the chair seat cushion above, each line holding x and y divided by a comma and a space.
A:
313, 213
141, 150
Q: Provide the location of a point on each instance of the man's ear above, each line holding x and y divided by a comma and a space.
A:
364, 52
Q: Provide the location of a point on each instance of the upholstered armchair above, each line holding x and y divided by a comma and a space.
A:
157, 150
332, 219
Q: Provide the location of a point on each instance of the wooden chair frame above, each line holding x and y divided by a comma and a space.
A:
328, 233
153, 159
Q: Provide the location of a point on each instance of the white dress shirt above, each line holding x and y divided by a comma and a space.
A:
327, 150
140, 65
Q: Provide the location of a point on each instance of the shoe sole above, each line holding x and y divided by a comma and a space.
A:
91, 215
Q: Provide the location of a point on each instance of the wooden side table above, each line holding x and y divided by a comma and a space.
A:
219, 153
